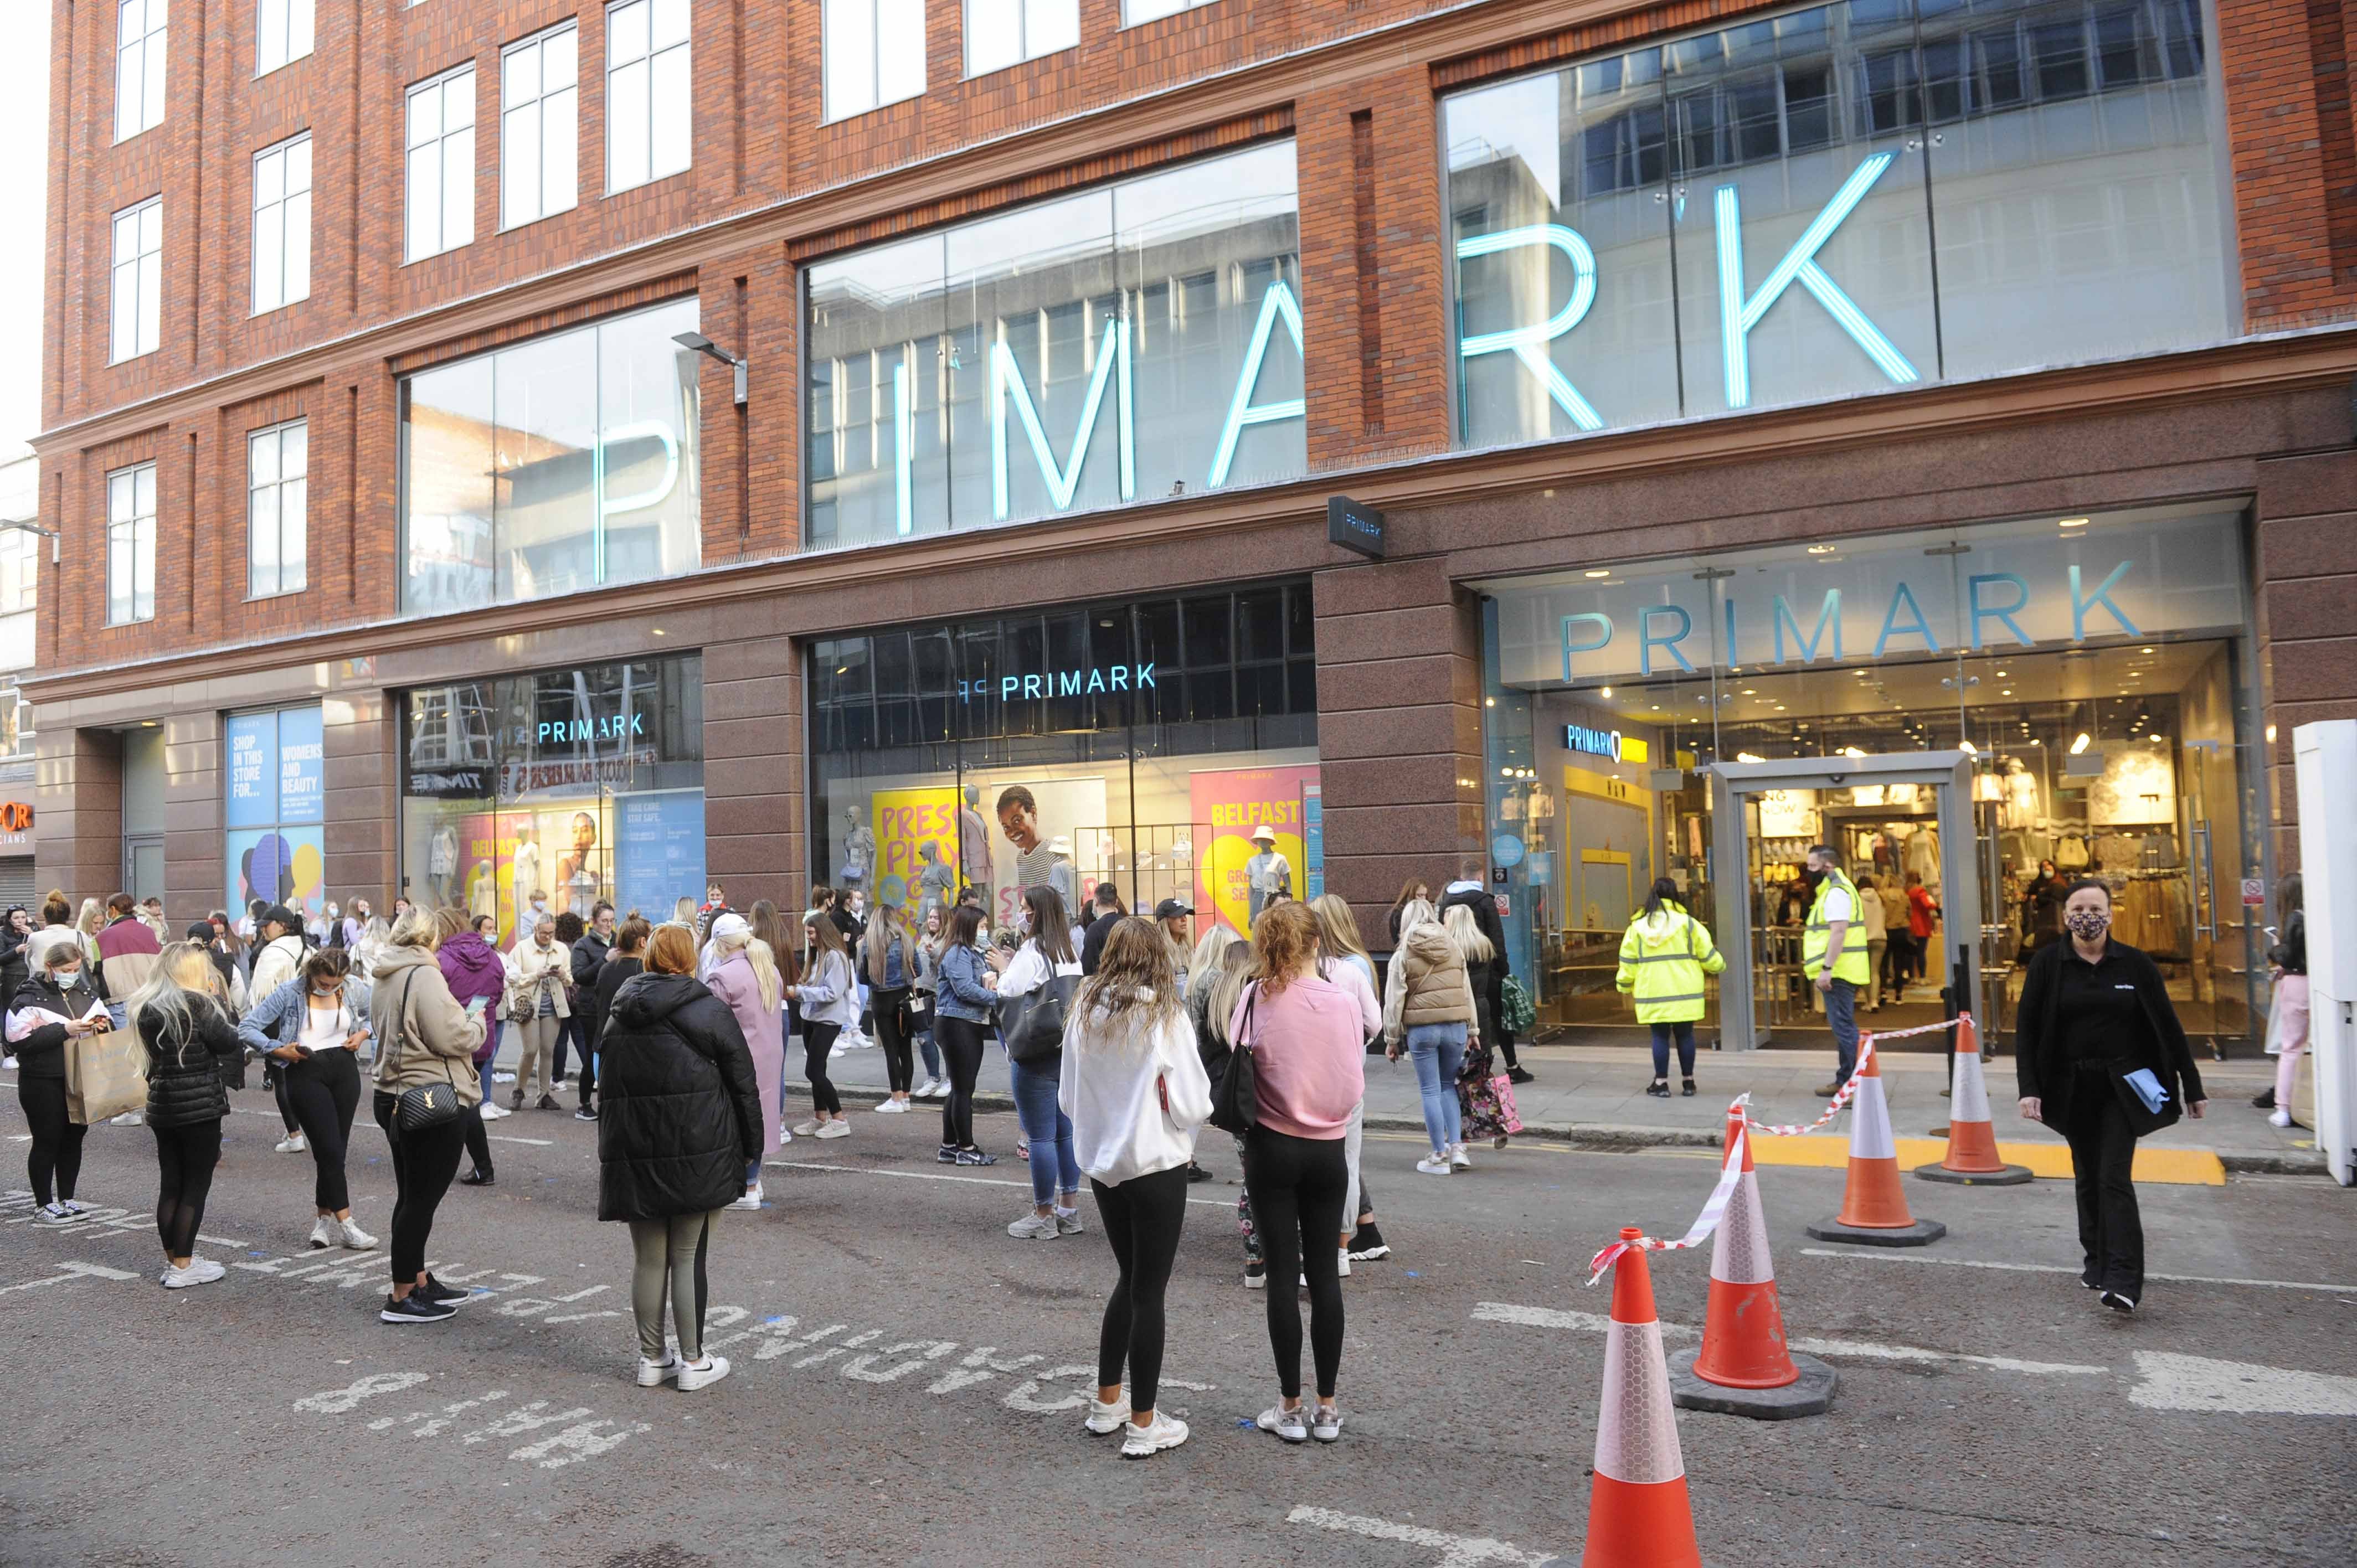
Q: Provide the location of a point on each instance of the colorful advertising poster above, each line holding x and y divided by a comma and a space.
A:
302, 769
916, 830
1313, 838
1227, 806
287, 866
659, 855
252, 770
1034, 843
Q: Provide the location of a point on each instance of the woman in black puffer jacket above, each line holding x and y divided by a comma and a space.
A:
679, 1120
184, 1023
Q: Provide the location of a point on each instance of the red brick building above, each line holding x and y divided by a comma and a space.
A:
404, 549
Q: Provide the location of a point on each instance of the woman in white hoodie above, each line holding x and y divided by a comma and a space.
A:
1136, 1090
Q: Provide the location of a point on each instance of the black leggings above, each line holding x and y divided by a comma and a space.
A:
185, 1158
891, 1009
818, 1043
961, 1043
324, 1093
422, 1164
1296, 1187
1142, 1218
273, 1073
57, 1141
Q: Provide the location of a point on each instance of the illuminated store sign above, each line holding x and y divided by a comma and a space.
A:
1609, 743
1062, 683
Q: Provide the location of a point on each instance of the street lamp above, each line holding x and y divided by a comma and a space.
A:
26, 525
696, 342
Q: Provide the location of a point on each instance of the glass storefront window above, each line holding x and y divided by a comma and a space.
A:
1140, 742
558, 463
574, 785
276, 814
1746, 216
1140, 340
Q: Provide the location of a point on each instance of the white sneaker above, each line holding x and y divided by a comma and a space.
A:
8, 1064
1434, 1164
293, 1144
806, 1129
491, 1112
1104, 1420
1255, 1281
1034, 1228
654, 1374
891, 1107
324, 1233
177, 1278
838, 1128
1342, 1262
353, 1238
752, 1199
1326, 1424
931, 1089
72, 1206
1457, 1159
200, 1271
2279, 1118
132, 1119
1144, 1442
1288, 1425
702, 1374
55, 1214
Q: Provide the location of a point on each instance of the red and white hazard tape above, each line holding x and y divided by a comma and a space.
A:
1700, 1231
1848, 1090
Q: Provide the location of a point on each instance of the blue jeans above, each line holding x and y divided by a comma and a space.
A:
1438, 1050
1841, 1017
927, 1049
1662, 1049
1053, 1168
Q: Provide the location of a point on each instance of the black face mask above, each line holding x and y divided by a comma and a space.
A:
1812, 877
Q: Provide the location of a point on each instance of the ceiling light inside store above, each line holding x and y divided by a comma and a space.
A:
2146, 650
1605, 691
1749, 757
2005, 692
1852, 751
1823, 549
2074, 523
1970, 747
2080, 744
1602, 572
2155, 738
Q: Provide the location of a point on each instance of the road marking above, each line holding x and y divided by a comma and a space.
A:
219, 1241
2170, 1381
1596, 1322
1870, 1257
587, 1435
507, 1138
1456, 1551
72, 1271
2165, 1166
943, 1175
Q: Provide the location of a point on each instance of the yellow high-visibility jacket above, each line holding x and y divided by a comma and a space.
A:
1664, 956
1838, 892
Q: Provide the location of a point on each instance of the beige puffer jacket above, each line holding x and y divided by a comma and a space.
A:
1426, 983
423, 1035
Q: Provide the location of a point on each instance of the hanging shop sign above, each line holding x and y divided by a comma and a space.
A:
1609, 743
1354, 525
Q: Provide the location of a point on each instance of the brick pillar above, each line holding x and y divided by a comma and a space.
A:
2307, 564
78, 812
1399, 729
2285, 70
753, 807
196, 872
360, 737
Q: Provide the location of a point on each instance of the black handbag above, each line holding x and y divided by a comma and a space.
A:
1037, 1035
425, 1106
1235, 1098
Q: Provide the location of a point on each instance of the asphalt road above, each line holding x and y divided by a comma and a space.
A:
906, 1377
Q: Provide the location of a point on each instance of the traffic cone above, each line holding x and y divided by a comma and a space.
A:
1972, 1159
1874, 1209
1743, 1367
1637, 1512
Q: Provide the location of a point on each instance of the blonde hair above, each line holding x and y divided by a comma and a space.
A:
166, 988
417, 928
1471, 945
1339, 928
1210, 950
1413, 913
684, 912
726, 944
91, 918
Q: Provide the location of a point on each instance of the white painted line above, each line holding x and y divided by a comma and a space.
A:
940, 1176
1880, 1257
2237, 1387
1456, 1551
1596, 1322
72, 1271
536, 1143
219, 1241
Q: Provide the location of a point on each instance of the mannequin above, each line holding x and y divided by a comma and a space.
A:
442, 860
858, 845
974, 844
526, 882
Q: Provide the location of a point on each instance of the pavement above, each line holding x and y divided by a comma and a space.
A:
908, 1377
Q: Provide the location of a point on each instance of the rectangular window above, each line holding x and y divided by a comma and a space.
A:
540, 140
275, 509
20, 571
441, 177
1000, 33
282, 224
139, 66
1133, 11
649, 118
874, 54
131, 544
282, 32
558, 463
138, 291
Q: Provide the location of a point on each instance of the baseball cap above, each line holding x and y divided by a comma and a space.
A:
732, 925
1171, 909
279, 914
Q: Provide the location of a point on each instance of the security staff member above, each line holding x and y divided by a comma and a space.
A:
1664, 957
1835, 926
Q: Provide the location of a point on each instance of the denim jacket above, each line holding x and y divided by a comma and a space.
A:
966, 990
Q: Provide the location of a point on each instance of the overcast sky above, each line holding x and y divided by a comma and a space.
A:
24, 197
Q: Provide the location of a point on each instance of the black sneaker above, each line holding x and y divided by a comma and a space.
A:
1367, 1244
546, 1102
1688, 1092
1519, 1074
414, 1308
975, 1157
2265, 1100
475, 1178
947, 1155
584, 1114
434, 1291
2118, 1300
1659, 1089
1197, 1173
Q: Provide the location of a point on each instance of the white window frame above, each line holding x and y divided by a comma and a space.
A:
647, 45
139, 65
283, 223
284, 32
1027, 50
531, 125
131, 543
20, 571
138, 267
287, 485
1137, 13
454, 221
858, 33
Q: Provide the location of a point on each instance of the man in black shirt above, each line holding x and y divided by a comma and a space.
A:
1109, 910
1469, 890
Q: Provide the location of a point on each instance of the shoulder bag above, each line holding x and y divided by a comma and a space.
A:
1037, 1035
1235, 1097
426, 1105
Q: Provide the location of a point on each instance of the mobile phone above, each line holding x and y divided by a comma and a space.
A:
474, 1008
303, 1052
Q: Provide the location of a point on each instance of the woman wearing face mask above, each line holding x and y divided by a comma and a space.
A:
477, 977
538, 970
55, 1006
2095, 1010
312, 1028
191, 1049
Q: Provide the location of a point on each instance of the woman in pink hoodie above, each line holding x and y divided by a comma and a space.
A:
476, 974
1307, 1038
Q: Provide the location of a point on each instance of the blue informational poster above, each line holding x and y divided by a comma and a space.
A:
302, 768
658, 851
1313, 839
253, 769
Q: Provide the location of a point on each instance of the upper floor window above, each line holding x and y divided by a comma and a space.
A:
1000, 33
874, 54
138, 281
648, 117
139, 66
282, 32
276, 507
540, 142
131, 544
441, 142
282, 224
20, 571
1133, 11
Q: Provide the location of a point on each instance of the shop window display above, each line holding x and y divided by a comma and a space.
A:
567, 786
1141, 742
276, 812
